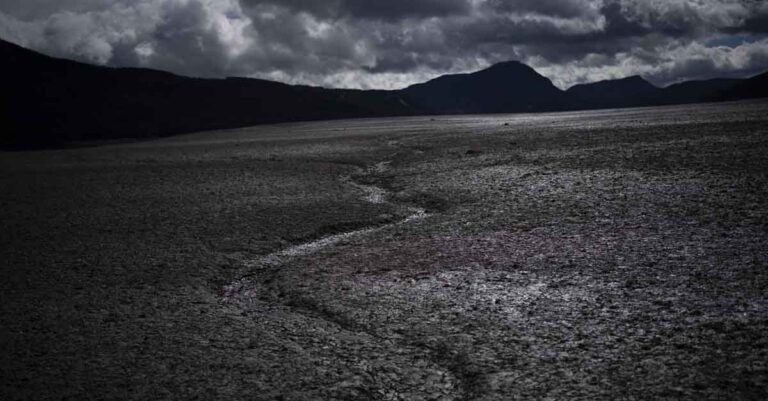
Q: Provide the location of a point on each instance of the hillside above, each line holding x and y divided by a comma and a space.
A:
50, 102
627, 92
502, 88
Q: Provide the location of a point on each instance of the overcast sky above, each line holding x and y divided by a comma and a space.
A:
394, 43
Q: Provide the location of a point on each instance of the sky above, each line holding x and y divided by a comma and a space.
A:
390, 44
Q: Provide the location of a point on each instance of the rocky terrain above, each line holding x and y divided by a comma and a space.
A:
583, 255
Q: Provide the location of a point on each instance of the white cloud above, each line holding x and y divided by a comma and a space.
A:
675, 63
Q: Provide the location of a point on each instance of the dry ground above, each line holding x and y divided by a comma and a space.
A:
592, 255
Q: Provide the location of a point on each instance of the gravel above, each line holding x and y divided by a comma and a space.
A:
590, 255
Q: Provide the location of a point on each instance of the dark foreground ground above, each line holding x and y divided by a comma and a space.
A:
592, 255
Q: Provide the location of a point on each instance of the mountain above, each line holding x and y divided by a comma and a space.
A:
502, 88
697, 91
751, 88
635, 92
48, 102
626, 92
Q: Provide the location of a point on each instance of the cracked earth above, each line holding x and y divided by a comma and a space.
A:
616, 254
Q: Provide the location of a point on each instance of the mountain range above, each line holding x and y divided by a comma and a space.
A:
50, 102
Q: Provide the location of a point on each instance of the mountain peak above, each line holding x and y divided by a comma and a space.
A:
624, 92
507, 64
509, 86
510, 66
633, 78
636, 80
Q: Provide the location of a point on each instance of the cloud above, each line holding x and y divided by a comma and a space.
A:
390, 10
362, 43
671, 63
553, 8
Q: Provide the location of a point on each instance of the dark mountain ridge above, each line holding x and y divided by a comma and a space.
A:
697, 91
754, 87
502, 88
625, 92
48, 102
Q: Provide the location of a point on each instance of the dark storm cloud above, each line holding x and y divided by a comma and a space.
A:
367, 9
556, 8
364, 43
30, 9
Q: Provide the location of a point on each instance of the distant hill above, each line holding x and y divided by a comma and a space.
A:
635, 91
502, 88
751, 88
697, 91
626, 92
48, 102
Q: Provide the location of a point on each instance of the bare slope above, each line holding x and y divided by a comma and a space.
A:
50, 102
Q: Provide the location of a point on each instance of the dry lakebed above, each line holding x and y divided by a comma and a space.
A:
610, 254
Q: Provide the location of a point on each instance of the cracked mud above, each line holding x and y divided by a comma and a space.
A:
590, 255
